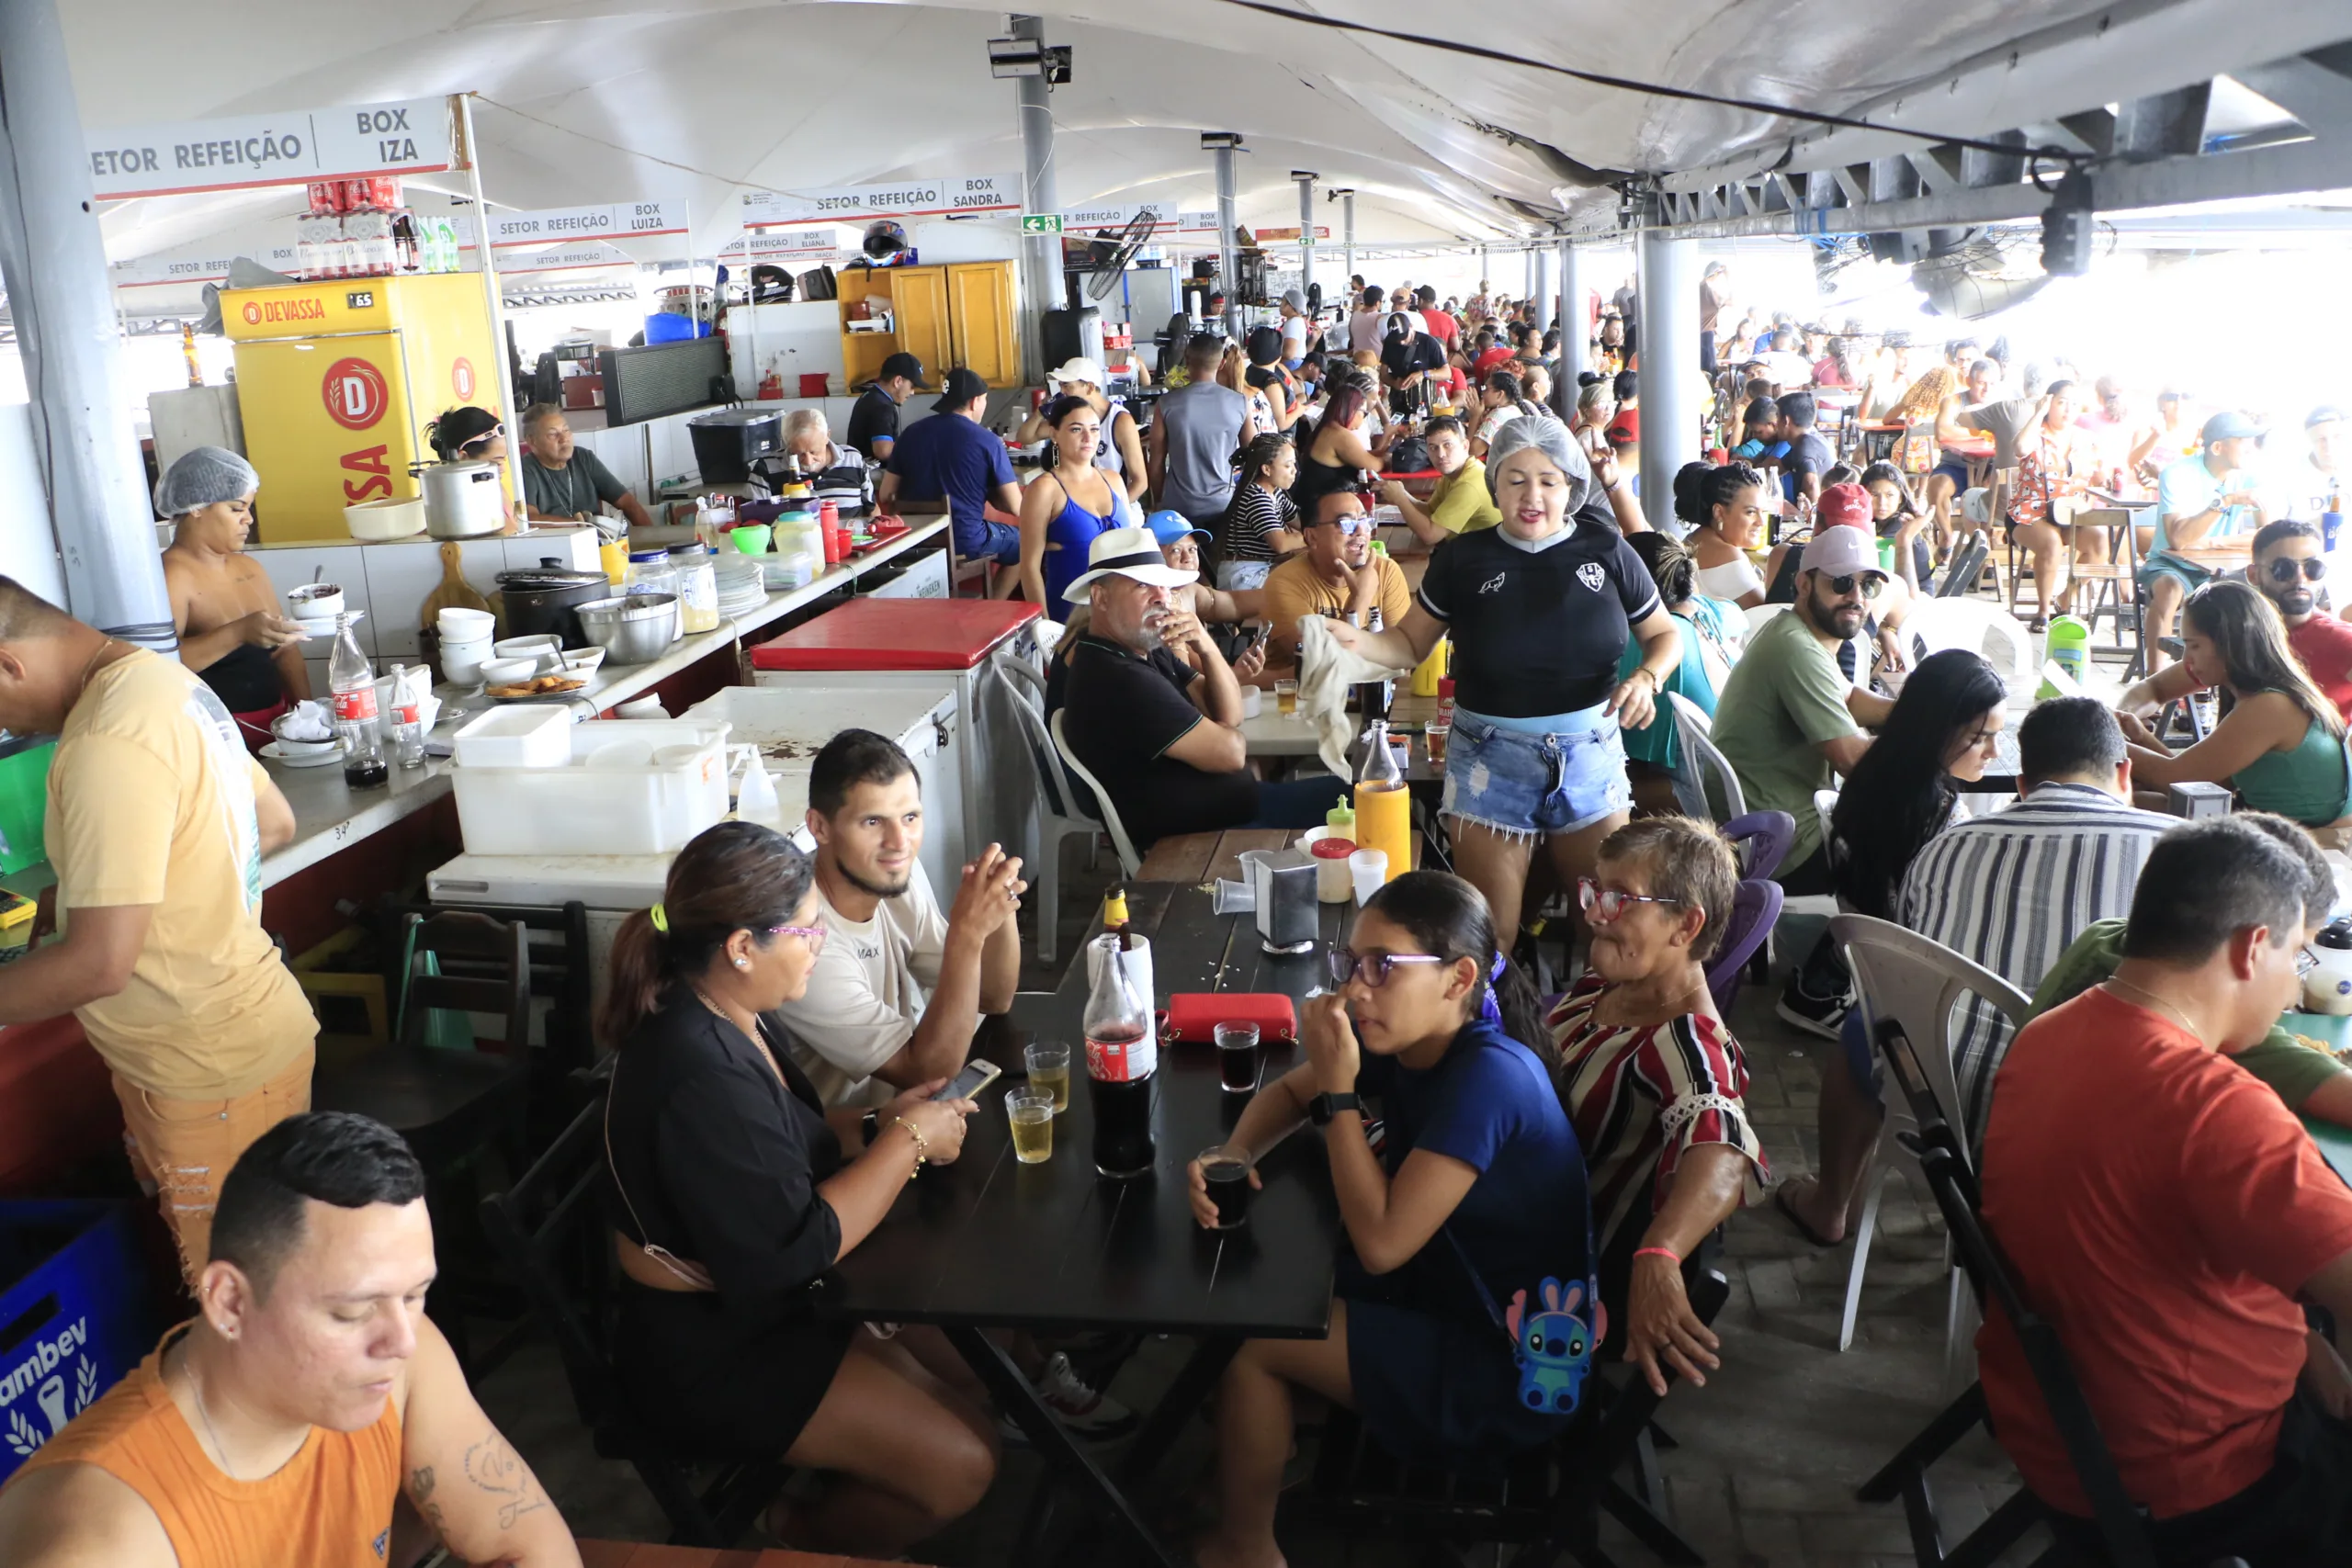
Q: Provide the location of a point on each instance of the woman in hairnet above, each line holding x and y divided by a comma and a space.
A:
233, 631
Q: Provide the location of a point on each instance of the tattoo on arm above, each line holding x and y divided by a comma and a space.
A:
420, 1494
494, 1467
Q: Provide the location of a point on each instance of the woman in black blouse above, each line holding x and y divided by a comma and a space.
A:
733, 1190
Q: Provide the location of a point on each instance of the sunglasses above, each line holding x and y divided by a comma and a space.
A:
1372, 968
1872, 583
1606, 906
2283, 570
1354, 524
492, 434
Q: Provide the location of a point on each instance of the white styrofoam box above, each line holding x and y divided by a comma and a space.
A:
535, 735
605, 810
399, 577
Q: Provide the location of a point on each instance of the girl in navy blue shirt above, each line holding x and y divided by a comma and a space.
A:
1463, 1327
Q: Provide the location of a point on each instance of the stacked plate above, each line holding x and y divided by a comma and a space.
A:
741, 588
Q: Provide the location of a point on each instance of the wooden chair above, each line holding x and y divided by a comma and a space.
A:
550, 1229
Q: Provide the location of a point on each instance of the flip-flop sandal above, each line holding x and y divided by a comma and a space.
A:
1788, 1211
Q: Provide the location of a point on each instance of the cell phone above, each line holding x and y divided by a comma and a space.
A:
977, 1074
1264, 635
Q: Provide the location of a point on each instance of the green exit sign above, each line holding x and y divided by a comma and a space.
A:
1041, 222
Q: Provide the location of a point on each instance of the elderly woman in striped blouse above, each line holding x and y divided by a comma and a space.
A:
1653, 1082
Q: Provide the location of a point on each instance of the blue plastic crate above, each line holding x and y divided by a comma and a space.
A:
74, 1315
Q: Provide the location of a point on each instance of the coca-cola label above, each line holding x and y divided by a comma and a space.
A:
355, 706
1122, 1061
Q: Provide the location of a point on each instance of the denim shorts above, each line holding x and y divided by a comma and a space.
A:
2188, 574
1524, 786
999, 542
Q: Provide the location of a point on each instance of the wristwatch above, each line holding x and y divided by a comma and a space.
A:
1323, 1107
869, 1126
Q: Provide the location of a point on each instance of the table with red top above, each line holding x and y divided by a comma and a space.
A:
893, 643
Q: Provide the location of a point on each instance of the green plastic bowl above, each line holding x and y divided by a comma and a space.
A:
752, 539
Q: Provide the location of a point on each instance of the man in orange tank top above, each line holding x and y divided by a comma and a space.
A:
278, 1426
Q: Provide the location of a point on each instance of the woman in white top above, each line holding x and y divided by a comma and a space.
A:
1498, 404
1732, 509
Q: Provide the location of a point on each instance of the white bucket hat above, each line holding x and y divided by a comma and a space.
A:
1126, 552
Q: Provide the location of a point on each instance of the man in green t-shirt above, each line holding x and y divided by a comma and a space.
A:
564, 482
2310, 1081
1788, 715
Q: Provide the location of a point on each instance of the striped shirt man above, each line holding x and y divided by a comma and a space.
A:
2013, 890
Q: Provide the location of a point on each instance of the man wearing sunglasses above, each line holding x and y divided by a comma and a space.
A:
1337, 575
1788, 715
2288, 568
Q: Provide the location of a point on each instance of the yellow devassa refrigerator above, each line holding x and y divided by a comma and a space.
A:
336, 381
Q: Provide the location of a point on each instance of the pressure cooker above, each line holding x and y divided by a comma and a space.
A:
544, 598
463, 500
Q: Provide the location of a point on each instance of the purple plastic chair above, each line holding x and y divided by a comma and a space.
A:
1762, 839
1753, 911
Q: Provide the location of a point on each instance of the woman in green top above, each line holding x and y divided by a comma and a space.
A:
2280, 743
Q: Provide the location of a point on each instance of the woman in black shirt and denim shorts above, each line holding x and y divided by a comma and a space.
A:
1540, 609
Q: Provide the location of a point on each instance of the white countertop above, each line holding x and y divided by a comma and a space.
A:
329, 817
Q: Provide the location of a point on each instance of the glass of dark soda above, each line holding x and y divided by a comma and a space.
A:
1227, 1171
1237, 1057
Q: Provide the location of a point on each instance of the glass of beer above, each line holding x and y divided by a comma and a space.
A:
1286, 698
1237, 1057
1227, 1169
1032, 1115
1433, 740
1049, 1073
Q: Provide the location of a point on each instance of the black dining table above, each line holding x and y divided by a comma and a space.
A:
991, 1244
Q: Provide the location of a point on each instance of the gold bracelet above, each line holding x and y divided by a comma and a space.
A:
922, 1146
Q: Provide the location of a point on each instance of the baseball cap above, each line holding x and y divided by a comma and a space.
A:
1169, 526
2321, 415
1841, 552
1126, 552
963, 386
1847, 503
1078, 369
1295, 298
2228, 425
905, 365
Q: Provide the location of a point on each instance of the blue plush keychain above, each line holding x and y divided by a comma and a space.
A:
1553, 1348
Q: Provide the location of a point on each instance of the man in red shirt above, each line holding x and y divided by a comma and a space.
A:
1440, 324
2163, 1210
2288, 568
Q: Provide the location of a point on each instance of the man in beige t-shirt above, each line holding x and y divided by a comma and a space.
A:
898, 987
157, 822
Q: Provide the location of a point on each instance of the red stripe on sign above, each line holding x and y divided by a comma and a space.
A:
265, 184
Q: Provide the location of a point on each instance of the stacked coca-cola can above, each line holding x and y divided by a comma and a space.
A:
356, 228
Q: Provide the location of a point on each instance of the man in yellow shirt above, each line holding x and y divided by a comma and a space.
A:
1338, 574
1462, 503
157, 822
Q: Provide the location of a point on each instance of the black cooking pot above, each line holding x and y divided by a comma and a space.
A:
540, 599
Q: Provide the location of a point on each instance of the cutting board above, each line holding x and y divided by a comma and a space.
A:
455, 593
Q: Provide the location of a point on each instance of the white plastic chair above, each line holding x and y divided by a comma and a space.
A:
1921, 985
1058, 819
1756, 614
1694, 736
1130, 863
1935, 625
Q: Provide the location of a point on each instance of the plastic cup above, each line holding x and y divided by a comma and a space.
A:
1227, 1169
1237, 1057
1286, 698
1049, 1073
1433, 740
1032, 1115
1369, 868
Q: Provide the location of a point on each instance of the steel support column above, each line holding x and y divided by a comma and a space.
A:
1228, 264
1542, 260
1348, 237
1041, 254
1306, 230
54, 260
1576, 332
1673, 390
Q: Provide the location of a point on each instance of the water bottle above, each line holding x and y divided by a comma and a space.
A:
352, 681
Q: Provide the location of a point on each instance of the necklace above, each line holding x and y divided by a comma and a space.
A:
83, 685
2142, 990
196, 1392
721, 1014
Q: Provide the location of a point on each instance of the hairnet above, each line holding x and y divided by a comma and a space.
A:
204, 477
1552, 438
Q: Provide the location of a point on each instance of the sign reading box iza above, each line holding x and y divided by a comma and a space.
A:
252, 150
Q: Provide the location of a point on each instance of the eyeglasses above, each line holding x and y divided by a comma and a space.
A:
1872, 583
2306, 961
2283, 570
1372, 968
813, 935
1606, 906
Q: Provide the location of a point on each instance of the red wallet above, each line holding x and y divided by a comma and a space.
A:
1193, 1016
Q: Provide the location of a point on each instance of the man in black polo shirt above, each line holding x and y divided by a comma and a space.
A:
1160, 728
873, 417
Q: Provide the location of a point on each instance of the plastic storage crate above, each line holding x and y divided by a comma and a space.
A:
74, 1315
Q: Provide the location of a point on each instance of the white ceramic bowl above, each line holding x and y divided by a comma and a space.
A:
529, 646
583, 660
456, 624
502, 672
314, 602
